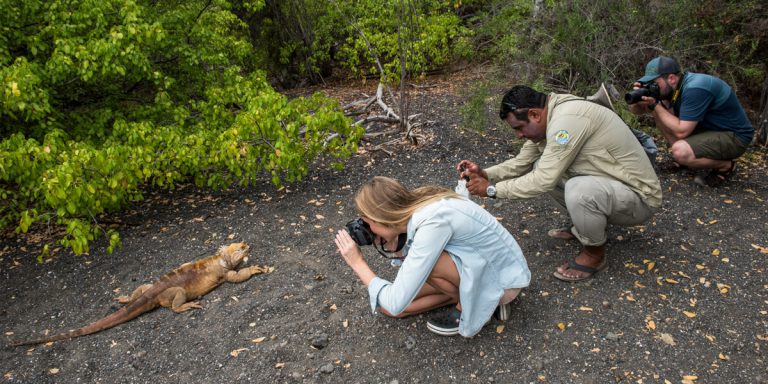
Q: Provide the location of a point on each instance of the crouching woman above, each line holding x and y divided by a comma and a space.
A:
456, 254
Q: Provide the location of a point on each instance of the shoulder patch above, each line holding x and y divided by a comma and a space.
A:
562, 137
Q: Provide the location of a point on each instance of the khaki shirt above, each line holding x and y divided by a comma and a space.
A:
583, 139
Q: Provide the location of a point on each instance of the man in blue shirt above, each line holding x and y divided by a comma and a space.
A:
699, 115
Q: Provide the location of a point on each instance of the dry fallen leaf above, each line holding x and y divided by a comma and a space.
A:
671, 281
236, 352
279, 365
710, 338
690, 377
723, 357
715, 252
651, 265
760, 248
650, 324
333, 307
53, 371
500, 328
258, 339
595, 350
345, 323
667, 339
585, 309
561, 326
689, 314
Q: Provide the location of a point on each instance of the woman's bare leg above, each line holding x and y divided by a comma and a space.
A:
429, 298
441, 289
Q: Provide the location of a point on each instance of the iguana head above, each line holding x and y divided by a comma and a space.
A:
234, 254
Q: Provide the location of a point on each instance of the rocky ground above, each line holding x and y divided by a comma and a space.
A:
684, 298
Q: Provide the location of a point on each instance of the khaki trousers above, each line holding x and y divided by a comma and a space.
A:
593, 202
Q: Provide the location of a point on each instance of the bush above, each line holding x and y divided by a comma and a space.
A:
572, 46
315, 37
103, 99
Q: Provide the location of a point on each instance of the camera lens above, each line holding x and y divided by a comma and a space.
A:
360, 232
636, 95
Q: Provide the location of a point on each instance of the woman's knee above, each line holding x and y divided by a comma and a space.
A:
445, 275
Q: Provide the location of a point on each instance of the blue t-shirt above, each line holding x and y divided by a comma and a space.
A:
712, 103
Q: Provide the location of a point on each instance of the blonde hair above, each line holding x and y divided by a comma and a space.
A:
386, 201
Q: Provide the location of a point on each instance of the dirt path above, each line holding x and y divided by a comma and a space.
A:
684, 297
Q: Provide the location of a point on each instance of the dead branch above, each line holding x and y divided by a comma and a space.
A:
378, 119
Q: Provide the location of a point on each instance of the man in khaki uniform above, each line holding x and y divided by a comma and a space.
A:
585, 157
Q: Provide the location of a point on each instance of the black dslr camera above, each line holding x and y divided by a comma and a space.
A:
360, 232
650, 89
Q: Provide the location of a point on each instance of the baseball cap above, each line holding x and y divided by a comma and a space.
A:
659, 66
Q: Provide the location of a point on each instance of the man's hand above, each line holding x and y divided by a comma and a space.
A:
641, 107
478, 186
469, 169
478, 178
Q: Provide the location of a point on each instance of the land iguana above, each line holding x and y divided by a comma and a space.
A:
174, 290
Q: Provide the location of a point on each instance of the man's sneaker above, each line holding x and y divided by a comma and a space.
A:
503, 312
445, 323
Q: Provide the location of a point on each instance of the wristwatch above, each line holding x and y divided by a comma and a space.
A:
491, 191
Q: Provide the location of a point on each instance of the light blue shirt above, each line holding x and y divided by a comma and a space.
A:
488, 259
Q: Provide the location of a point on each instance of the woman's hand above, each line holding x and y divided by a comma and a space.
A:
353, 256
349, 250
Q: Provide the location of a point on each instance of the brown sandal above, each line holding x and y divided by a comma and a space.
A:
561, 233
572, 264
717, 178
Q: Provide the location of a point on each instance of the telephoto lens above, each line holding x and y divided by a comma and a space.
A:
636, 95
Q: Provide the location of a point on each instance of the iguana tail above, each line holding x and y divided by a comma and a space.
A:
131, 311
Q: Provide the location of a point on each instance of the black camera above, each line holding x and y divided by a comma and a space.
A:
650, 89
360, 232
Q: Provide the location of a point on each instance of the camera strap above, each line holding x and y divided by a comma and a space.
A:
678, 90
401, 239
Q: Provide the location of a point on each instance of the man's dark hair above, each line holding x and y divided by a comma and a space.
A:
518, 99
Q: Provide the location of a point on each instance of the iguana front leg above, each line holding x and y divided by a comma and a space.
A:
175, 298
244, 274
134, 295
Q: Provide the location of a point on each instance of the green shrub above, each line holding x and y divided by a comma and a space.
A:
103, 99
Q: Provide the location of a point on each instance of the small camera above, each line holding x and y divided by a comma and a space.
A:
650, 89
360, 232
